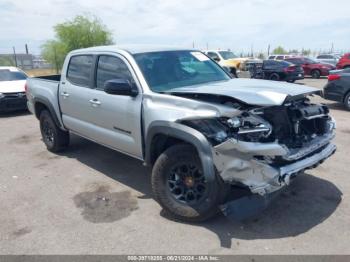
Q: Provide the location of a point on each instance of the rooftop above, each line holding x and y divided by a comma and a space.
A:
133, 49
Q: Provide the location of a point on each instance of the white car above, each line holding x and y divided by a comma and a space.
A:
12, 89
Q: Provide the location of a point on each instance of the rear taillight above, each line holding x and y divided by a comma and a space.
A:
290, 69
333, 77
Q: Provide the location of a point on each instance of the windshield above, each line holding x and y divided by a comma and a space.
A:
227, 55
310, 61
174, 69
7, 75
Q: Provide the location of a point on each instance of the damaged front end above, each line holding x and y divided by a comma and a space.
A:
264, 147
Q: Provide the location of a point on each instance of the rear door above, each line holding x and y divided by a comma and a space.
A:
75, 92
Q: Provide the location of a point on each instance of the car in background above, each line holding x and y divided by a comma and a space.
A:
278, 71
311, 67
12, 89
338, 87
328, 58
227, 59
344, 61
280, 57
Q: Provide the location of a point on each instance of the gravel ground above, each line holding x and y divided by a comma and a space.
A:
92, 200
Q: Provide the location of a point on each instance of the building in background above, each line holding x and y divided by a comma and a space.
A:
24, 61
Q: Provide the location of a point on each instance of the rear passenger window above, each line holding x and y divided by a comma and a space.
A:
280, 57
111, 67
79, 70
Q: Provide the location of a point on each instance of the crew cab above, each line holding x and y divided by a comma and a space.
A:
313, 68
203, 132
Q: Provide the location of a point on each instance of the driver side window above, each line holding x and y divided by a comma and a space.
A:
111, 67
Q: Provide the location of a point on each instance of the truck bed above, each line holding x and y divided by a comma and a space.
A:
44, 89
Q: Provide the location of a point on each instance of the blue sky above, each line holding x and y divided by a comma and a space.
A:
238, 25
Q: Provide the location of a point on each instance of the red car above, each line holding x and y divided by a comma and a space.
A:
311, 67
344, 62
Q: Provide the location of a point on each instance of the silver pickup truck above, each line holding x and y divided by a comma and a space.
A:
177, 110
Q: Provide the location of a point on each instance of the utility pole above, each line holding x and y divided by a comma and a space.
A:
193, 44
26, 46
14, 55
268, 50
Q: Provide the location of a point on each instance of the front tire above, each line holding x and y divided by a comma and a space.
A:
347, 101
54, 138
181, 188
315, 74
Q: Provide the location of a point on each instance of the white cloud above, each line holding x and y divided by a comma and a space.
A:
222, 23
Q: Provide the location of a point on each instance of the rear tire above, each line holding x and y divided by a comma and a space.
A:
347, 101
274, 77
54, 138
290, 81
315, 74
180, 187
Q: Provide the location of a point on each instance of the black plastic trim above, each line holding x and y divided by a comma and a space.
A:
187, 134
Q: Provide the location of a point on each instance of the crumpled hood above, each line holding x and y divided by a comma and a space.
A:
12, 86
250, 91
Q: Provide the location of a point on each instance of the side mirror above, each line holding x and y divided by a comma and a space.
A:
216, 59
120, 87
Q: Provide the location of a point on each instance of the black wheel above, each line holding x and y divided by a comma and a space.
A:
54, 138
181, 188
274, 77
291, 81
315, 74
347, 101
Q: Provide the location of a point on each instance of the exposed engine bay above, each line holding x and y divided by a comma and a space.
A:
264, 147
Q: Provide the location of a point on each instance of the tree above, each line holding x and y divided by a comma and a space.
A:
81, 32
279, 50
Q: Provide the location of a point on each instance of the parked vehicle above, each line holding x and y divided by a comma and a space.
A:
311, 67
338, 87
277, 71
328, 58
12, 89
280, 57
344, 62
227, 59
203, 132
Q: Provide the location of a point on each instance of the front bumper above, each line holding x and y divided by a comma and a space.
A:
13, 103
252, 164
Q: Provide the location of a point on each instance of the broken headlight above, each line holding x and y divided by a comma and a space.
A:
213, 129
249, 127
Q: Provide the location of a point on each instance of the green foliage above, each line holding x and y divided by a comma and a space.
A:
6, 61
279, 50
81, 32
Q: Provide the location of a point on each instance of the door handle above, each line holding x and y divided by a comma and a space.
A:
64, 94
95, 102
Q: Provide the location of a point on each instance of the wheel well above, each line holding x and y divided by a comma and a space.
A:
160, 143
39, 107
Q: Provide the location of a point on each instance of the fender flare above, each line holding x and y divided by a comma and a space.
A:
48, 105
185, 133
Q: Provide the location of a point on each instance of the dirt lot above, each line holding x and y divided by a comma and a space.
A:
92, 200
